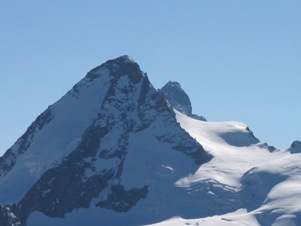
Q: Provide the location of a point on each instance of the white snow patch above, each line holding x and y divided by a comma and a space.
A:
238, 218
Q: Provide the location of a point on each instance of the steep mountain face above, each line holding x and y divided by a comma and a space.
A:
7, 217
179, 99
295, 147
94, 143
115, 151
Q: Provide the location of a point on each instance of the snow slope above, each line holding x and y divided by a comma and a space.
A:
268, 183
243, 184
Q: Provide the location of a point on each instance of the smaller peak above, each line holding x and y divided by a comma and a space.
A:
177, 97
295, 147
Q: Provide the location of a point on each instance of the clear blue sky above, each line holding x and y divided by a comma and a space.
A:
237, 60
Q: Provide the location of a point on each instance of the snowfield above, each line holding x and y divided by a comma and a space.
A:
236, 162
244, 184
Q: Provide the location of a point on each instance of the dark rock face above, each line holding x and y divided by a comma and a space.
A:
119, 67
42, 120
64, 188
8, 160
179, 99
295, 147
7, 217
121, 200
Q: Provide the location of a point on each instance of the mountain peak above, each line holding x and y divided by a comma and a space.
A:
90, 147
126, 58
295, 147
174, 84
179, 99
118, 67
113, 151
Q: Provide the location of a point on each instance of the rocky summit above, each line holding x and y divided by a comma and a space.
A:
179, 99
101, 145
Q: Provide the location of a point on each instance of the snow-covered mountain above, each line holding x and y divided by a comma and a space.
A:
116, 151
